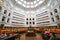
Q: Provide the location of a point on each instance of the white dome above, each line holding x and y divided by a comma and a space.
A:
29, 3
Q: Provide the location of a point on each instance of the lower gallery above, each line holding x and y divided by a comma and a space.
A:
29, 19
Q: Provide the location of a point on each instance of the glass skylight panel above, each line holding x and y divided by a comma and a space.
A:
32, 6
28, 12
24, 5
31, 3
28, 3
35, 2
28, 6
19, 2
32, 12
40, 2
36, 5
48, 4
25, 2
15, 0
22, 0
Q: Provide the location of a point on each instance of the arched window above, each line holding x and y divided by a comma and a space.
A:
30, 18
55, 10
57, 17
3, 18
8, 20
9, 14
59, 7
0, 8
53, 19
33, 18
26, 22
2, 25
33, 22
51, 13
30, 22
26, 18
5, 11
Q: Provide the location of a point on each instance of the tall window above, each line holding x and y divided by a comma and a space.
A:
55, 10
3, 18
33, 18
5, 11
0, 8
53, 19
57, 17
51, 13
59, 7
27, 23
26, 18
30, 18
9, 14
8, 20
30, 22
2, 25
33, 22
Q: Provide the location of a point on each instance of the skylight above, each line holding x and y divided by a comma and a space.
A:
32, 4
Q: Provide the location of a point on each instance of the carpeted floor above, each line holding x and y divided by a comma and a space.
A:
37, 37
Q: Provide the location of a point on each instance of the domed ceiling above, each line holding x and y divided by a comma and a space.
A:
31, 5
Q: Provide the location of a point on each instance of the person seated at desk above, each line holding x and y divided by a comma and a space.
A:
52, 36
3, 35
47, 34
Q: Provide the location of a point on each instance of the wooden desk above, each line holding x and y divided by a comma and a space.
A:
30, 34
12, 37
